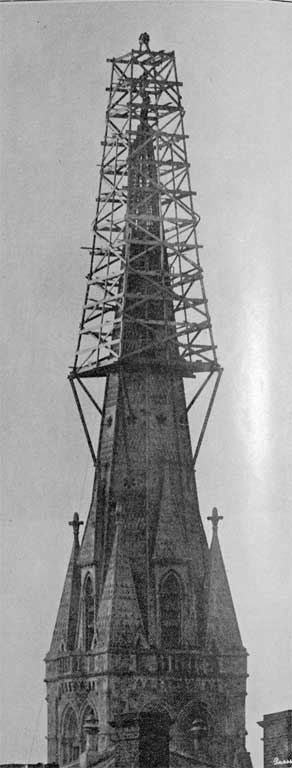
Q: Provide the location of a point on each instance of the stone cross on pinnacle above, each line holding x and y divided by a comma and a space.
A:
76, 523
215, 519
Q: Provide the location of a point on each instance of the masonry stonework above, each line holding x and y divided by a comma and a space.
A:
277, 738
146, 666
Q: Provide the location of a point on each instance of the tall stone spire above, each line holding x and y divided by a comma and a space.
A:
145, 604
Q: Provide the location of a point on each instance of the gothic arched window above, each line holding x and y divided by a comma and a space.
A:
89, 613
70, 738
170, 611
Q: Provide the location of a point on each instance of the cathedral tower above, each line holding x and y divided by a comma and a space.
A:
146, 665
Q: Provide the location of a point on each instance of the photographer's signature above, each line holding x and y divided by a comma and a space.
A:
277, 761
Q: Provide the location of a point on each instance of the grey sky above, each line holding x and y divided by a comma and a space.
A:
234, 59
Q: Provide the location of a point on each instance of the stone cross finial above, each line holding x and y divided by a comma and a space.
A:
76, 523
215, 519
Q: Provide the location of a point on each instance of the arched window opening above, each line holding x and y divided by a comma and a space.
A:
70, 739
154, 740
89, 613
170, 612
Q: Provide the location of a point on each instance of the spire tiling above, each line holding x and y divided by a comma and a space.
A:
145, 301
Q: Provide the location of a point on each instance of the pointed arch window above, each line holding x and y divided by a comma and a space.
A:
170, 611
70, 738
89, 613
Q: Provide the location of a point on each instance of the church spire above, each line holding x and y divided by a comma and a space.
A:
65, 627
145, 300
130, 638
222, 625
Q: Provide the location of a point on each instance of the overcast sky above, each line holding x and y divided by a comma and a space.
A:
234, 60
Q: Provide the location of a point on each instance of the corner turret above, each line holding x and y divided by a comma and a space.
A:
222, 625
65, 628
